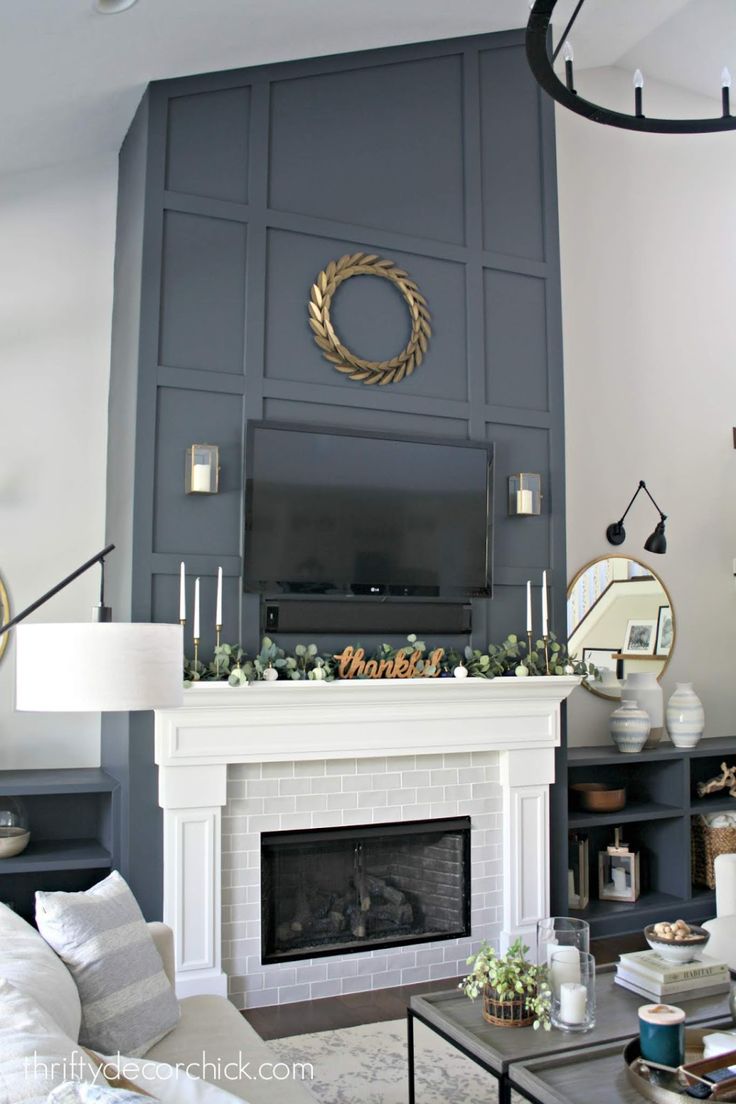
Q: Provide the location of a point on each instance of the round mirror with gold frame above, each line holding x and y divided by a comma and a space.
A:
4, 616
620, 620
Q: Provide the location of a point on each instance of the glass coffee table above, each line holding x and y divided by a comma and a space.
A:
496, 1049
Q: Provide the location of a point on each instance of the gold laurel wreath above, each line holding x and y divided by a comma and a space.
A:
354, 367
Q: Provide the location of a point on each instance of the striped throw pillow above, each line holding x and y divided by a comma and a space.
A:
128, 1003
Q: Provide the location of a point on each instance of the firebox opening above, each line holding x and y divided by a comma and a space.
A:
358, 888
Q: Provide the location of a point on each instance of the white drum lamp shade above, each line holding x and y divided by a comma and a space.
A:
98, 667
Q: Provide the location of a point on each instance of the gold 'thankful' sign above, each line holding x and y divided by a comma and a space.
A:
353, 664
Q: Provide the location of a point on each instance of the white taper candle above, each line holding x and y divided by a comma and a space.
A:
545, 617
218, 614
182, 593
528, 606
196, 609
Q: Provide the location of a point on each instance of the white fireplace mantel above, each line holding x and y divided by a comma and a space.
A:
284, 721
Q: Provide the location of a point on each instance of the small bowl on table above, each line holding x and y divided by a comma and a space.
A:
678, 951
597, 797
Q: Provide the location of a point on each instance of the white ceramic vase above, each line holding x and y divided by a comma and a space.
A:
644, 689
685, 716
629, 727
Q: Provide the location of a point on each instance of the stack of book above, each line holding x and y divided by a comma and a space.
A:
656, 979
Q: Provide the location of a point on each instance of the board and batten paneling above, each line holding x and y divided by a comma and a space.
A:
238, 188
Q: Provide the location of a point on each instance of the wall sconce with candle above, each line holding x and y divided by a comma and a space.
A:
202, 472
525, 494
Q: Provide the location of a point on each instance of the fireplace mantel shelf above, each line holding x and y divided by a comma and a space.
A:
282, 721
287, 722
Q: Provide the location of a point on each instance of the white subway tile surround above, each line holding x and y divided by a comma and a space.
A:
393, 795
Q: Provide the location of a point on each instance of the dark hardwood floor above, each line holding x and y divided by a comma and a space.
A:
332, 1013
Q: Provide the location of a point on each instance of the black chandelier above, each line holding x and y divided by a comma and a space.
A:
542, 55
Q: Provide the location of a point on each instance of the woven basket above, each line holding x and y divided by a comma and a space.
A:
707, 844
511, 1013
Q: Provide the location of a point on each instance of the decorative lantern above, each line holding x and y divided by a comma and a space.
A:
202, 473
525, 494
618, 872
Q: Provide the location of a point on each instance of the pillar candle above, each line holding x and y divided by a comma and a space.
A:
201, 478
196, 609
524, 502
182, 593
573, 1002
619, 879
564, 967
218, 614
725, 871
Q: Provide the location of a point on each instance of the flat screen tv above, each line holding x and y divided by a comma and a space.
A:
333, 511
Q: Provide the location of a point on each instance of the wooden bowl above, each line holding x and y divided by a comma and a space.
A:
597, 797
13, 841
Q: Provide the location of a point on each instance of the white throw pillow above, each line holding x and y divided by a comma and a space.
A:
35, 1054
128, 1003
170, 1084
28, 962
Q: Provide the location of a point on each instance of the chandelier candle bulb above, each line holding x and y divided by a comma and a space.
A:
726, 91
182, 593
569, 57
638, 94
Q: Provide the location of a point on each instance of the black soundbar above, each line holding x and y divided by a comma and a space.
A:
306, 616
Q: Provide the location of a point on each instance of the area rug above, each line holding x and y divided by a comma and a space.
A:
367, 1065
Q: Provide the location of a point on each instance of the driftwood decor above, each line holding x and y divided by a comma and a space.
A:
355, 367
405, 665
725, 781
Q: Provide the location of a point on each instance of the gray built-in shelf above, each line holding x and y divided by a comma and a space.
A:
74, 821
661, 802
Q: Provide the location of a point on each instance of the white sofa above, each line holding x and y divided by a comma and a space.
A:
210, 1029
213, 1025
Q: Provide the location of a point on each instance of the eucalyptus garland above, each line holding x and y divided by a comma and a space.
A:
231, 663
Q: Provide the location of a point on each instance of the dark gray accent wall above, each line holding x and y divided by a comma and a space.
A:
235, 190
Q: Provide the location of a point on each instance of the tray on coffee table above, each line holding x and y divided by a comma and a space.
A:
597, 1074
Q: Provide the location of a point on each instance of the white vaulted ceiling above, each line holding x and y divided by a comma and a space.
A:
70, 78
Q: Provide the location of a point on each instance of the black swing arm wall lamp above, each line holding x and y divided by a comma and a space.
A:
656, 542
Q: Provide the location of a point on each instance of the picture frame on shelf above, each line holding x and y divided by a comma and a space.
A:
664, 631
641, 636
603, 660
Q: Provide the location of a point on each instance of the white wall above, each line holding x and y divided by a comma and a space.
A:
648, 242
57, 231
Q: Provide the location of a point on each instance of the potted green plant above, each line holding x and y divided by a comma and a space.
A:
515, 991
